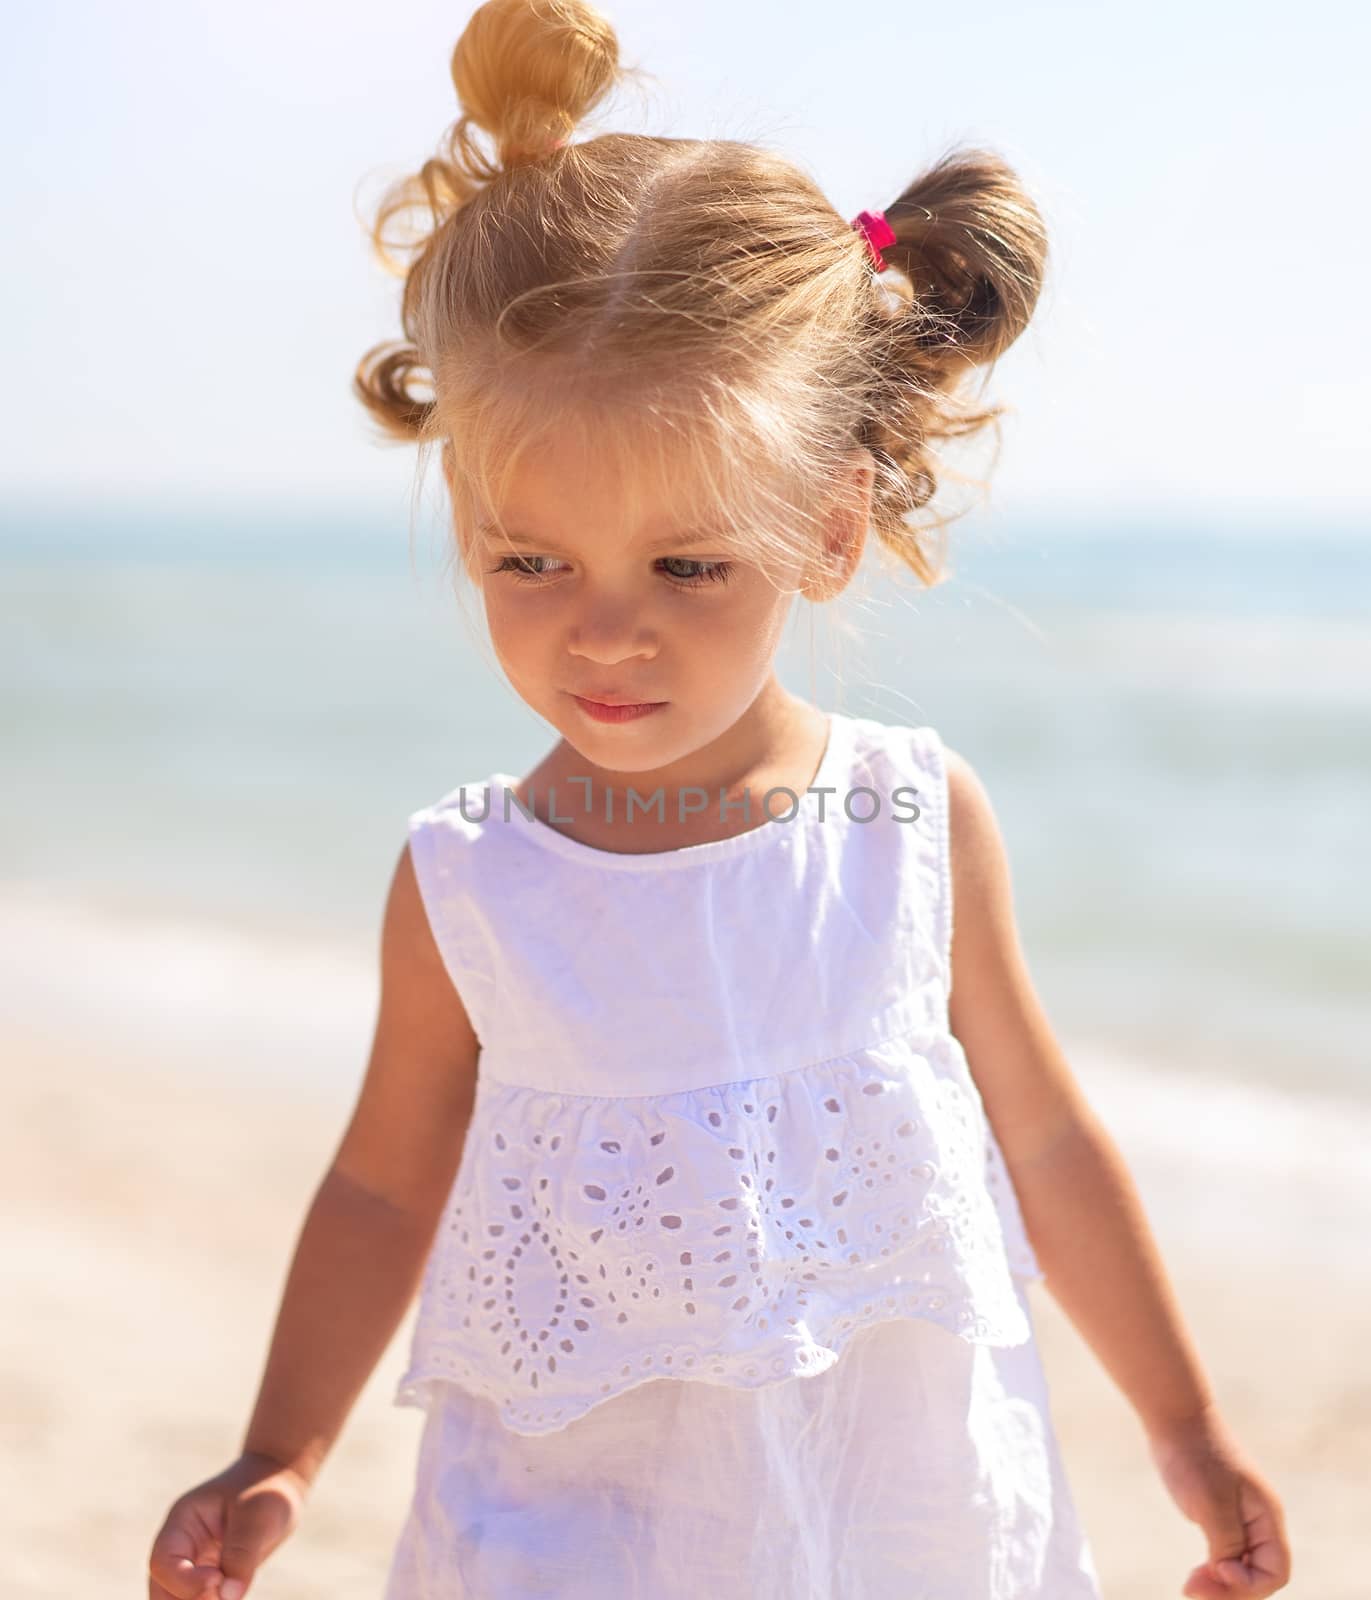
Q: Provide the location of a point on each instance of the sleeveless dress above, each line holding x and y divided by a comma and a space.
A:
729, 1295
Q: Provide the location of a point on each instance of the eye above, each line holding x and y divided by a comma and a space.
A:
705, 572
522, 568
697, 574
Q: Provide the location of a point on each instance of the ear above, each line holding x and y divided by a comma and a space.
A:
844, 529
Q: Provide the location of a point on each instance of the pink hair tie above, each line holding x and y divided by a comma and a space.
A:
537, 153
878, 234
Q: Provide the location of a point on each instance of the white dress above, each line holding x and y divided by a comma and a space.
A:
728, 1298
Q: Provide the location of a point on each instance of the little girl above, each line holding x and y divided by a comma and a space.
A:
710, 1100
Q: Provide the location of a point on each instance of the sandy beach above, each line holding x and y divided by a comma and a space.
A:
151, 1214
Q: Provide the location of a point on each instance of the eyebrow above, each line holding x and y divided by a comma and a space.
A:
678, 541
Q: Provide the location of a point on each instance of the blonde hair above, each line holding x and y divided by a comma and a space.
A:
693, 305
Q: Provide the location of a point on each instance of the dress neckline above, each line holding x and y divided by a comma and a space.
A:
832, 768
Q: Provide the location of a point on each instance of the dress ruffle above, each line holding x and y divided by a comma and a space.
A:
736, 1233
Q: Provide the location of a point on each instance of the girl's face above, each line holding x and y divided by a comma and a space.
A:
581, 602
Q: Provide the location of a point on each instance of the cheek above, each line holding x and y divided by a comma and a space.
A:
516, 638
516, 617
722, 643
730, 621
756, 618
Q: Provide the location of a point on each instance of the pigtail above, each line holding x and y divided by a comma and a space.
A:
526, 72
973, 248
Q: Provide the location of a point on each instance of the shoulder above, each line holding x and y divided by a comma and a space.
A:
450, 837
415, 974
976, 841
984, 932
464, 810
904, 752
986, 955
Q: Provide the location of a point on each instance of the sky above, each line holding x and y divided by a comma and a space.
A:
188, 287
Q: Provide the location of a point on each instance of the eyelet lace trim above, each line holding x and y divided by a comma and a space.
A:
739, 1233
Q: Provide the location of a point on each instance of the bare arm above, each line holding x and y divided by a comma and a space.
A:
361, 1250
1080, 1206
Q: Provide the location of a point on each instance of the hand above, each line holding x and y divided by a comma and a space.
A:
1213, 1484
217, 1534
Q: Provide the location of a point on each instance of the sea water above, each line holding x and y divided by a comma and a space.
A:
215, 725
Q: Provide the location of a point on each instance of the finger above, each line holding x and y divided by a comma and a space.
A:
178, 1563
1203, 1585
1268, 1547
1230, 1579
1225, 1529
1262, 1564
1265, 1567
182, 1580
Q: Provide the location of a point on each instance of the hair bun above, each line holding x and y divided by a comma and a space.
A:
528, 72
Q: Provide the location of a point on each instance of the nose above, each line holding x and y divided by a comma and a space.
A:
610, 630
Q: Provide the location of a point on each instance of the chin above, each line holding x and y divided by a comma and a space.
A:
622, 748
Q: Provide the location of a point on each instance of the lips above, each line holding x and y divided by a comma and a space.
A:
618, 710
618, 699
